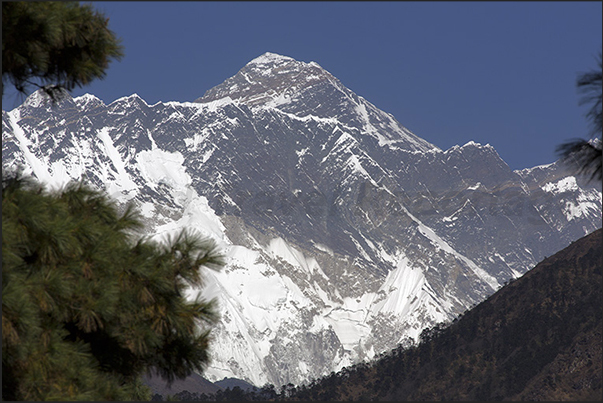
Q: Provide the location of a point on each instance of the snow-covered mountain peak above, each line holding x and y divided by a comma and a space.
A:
39, 99
269, 79
127, 103
270, 58
344, 232
88, 101
469, 145
36, 99
473, 149
305, 91
472, 143
130, 100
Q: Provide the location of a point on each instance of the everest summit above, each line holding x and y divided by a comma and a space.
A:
345, 233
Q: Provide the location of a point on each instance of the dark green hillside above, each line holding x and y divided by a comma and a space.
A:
538, 338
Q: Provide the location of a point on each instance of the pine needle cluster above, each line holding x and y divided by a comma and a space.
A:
56, 46
585, 157
88, 306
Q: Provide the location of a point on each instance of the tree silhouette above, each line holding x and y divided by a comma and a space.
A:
585, 155
87, 306
56, 46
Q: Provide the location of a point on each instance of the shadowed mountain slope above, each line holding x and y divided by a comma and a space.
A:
194, 382
537, 338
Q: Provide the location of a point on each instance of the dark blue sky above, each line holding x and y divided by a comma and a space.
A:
501, 73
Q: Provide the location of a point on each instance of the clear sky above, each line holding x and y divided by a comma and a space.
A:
501, 73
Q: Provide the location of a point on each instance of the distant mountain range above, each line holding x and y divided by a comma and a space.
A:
345, 233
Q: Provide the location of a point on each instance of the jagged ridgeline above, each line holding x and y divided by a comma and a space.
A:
345, 233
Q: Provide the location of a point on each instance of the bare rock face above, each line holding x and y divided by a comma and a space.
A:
345, 233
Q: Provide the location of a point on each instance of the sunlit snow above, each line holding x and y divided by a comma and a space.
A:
274, 293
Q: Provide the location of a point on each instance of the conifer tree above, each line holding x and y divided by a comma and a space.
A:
88, 306
56, 46
586, 156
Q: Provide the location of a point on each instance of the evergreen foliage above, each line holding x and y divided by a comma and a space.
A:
87, 305
583, 155
62, 45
